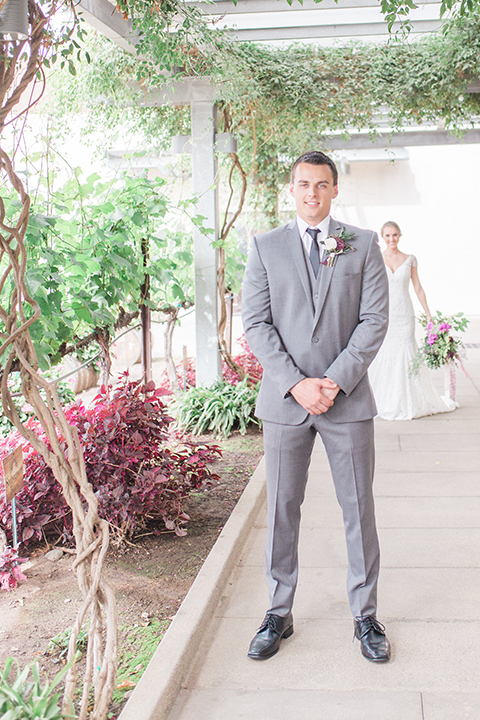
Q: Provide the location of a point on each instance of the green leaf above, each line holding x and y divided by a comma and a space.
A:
82, 313
119, 260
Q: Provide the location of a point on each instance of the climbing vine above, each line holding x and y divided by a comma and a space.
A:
293, 98
279, 102
22, 64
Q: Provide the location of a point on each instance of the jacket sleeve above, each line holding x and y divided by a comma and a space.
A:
352, 363
261, 334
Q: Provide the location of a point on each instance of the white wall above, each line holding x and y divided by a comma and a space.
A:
434, 197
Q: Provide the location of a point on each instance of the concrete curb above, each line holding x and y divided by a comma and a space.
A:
159, 685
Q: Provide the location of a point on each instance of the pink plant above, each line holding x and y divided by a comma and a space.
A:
140, 472
246, 360
10, 572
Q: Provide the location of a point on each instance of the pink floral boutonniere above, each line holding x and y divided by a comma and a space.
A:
336, 245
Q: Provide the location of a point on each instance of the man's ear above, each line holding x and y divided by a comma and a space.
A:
291, 189
335, 191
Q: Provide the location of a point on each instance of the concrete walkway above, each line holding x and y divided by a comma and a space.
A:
427, 492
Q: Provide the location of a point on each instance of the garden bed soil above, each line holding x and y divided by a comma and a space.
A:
151, 575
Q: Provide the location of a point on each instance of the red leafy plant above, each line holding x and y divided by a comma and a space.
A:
140, 471
246, 360
10, 572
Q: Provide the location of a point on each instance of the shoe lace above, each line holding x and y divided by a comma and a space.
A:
367, 623
269, 622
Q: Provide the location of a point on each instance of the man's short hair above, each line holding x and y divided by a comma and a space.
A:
315, 157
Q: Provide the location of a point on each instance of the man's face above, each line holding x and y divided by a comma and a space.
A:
313, 191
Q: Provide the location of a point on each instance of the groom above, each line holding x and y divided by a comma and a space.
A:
315, 310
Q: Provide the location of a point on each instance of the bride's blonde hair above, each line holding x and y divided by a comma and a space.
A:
390, 223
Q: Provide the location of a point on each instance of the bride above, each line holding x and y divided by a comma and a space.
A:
400, 396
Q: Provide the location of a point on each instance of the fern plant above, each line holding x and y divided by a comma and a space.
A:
219, 409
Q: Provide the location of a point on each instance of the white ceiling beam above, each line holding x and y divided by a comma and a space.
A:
410, 138
103, 15
222, 7
105, 18
327, 31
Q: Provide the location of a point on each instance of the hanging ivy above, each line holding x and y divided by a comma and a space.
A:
281, 101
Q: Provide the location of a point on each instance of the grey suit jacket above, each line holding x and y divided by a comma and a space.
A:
294, 338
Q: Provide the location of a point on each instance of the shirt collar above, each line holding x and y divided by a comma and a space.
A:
322, 226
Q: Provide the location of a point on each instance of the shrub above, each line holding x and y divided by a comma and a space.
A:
10, 572
141, 473
26, 699
219, 408
246, 360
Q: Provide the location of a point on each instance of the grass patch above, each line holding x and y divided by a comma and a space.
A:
135, 653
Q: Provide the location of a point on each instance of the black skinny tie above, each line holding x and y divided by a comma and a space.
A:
314, 250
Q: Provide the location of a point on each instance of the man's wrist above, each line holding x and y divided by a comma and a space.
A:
333, 381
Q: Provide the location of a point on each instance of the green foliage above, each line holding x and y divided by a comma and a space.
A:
24, 698
235, 260
58, 645
170, 33
136, 652
281, 101
105, 93
192, 48
87, 244
399, 10
218, 409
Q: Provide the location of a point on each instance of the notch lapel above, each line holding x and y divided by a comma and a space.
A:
296, 249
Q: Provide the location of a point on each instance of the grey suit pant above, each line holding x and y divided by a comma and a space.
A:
350, 452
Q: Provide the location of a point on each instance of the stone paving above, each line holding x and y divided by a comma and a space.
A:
427, 492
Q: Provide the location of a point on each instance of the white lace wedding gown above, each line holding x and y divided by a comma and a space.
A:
400, 396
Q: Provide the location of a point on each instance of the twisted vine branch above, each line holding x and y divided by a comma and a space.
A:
60, 444
221, 285
227, 226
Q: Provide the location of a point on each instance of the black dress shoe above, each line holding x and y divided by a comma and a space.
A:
269, 635
371, 633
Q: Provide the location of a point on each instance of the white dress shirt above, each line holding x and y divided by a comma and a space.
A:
307, 239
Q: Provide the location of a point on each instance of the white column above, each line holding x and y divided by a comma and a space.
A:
204, 171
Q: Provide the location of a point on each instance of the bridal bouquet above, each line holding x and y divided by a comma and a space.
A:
439, 345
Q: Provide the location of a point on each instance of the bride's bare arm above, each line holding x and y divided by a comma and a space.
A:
420, 292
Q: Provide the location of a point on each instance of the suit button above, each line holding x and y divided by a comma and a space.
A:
315, 339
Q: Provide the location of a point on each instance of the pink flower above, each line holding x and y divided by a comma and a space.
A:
7, 581
431, 339
429, 325
444, 326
